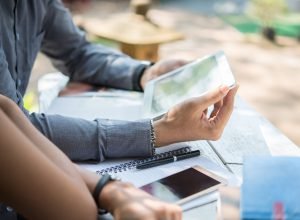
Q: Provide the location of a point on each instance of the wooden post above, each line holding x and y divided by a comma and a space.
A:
141, 52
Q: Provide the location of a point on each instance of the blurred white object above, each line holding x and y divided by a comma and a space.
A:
49, 86
293, 5
226, 7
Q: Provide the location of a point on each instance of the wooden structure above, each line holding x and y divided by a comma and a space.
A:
137, 35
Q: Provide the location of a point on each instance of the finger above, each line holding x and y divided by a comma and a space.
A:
177, 213
163, 212
172, 65
173, 212
214, 96
217, 107
224, 113
232, 94
181, 62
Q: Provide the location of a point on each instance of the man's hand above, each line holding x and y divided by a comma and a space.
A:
125, 201
160, 68
189, 121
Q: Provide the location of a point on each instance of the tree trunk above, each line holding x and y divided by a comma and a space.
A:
269, 33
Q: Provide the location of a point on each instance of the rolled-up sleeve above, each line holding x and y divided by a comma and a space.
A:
74, 56
96, 140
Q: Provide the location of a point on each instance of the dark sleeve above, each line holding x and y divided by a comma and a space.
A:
74, 56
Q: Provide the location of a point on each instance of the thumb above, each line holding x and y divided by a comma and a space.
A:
214, 96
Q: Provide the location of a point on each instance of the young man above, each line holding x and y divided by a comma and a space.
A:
27, 27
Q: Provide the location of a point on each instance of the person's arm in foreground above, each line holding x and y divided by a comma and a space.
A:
35, 186
40, 182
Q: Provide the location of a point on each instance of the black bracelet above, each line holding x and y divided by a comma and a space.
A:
106, 178
136, 79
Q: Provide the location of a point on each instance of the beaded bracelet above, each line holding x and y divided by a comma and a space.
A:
152, 137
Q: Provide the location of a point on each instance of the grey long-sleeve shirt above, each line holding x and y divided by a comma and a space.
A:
26, 27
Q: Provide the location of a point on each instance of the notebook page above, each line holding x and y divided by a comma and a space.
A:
113, 162
142, 177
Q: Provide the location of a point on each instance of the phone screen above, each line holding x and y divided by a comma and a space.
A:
180, 185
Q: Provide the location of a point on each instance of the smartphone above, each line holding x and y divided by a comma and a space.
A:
193, 79
185, 185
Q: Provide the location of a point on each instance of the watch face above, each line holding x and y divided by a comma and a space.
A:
148, 63
113, 177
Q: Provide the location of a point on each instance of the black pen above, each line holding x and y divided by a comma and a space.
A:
169, 159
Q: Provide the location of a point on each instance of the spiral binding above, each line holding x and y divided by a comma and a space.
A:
132, 164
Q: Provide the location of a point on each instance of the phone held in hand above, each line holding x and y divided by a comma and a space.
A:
193, 79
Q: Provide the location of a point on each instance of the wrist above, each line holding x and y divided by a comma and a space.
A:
102, 202
163, 133
144, 77
137, 75
105, 198
113, 195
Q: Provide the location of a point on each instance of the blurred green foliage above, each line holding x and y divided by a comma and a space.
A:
30, 101
266, 11
285, 25
104, 42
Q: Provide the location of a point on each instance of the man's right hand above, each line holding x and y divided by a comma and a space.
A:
126, 202
188, 121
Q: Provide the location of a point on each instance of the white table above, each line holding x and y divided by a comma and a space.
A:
247, 133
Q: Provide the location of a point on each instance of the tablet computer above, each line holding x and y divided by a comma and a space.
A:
191, 80
185, 185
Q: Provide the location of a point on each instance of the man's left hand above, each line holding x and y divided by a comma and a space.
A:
160, 68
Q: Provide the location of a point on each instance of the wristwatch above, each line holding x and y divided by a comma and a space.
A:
103, 181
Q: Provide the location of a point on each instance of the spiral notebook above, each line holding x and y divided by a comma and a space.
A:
122, 167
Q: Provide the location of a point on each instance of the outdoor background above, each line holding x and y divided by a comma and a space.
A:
268, 72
